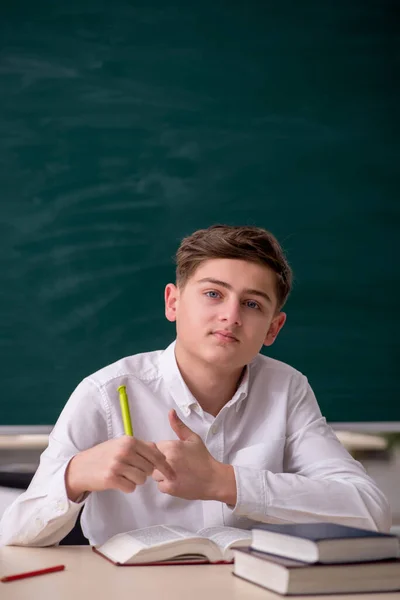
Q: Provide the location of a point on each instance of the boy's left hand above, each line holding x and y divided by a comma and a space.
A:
198, 475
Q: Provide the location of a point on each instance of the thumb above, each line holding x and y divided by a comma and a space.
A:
182, 431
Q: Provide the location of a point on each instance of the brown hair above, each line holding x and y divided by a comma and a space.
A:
253, 244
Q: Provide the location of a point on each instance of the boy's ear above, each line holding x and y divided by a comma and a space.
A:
171, 296
276, 325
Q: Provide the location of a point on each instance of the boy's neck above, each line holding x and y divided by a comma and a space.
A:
211, 387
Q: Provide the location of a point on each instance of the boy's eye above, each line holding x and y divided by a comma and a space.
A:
252, 304
212, 294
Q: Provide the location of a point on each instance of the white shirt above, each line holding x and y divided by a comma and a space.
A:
289, 465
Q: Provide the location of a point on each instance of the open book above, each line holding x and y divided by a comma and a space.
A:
172, 544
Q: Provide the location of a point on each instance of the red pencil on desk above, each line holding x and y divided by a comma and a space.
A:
32, 573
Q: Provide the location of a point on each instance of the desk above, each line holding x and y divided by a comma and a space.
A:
89, 576
350, 440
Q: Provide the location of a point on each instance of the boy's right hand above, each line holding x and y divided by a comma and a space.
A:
119, 464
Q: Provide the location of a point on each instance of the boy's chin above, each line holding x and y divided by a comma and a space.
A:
220, 357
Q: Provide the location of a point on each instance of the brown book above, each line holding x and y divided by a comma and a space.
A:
291, 577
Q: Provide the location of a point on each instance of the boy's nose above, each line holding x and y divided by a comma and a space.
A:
231, 313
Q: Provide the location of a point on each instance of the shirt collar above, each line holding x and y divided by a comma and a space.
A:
180, 392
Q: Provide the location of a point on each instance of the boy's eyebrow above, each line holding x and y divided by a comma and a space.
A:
229, 287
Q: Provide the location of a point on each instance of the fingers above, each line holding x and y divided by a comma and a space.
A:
150, 451
158, 476
128, 478
165, 486
182, 431
144, 455
124, 485
121, 463
138, 461
132, 474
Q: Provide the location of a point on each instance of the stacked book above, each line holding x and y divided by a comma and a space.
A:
319, 558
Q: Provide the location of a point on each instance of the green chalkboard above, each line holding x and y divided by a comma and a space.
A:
126, 125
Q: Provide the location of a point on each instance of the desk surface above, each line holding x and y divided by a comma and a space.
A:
352, 440
89, 576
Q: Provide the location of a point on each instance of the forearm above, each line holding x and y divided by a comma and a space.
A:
75, 491
349, 500
19, 527
44, 514
41, 516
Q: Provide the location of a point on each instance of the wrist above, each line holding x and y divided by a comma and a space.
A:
224, 484
72, 486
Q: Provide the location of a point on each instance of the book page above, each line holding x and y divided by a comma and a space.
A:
160, 534
158, 543
227, 537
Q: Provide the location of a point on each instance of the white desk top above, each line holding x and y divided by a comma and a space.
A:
89, 576
351, 440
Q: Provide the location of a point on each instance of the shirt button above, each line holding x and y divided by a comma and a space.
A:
214, 429
39, 523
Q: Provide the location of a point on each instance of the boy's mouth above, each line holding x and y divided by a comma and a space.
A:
225, 336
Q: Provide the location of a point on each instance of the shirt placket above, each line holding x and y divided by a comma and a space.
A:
212, 509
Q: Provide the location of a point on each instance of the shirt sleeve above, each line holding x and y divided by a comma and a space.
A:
43, 514
320, 482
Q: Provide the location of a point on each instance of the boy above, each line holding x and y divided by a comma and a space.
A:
223, 435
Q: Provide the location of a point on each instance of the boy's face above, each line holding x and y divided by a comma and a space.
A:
226, 312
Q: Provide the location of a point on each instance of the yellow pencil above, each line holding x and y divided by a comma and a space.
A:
126, 415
